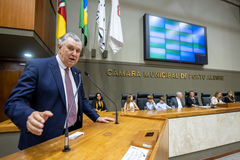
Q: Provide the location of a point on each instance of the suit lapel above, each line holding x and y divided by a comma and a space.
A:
75, 76
182, 102
58, 78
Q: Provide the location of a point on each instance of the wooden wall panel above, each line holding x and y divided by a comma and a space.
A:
45, 23
54, 3
9, 75
17, 14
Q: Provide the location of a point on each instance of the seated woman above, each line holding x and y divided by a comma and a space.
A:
217, 98
130, 104
161, 104
98, 104
192, 101
151, 104
230, 97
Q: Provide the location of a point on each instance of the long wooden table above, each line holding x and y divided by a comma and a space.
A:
110, 141
183, 112
100, 141
8, 126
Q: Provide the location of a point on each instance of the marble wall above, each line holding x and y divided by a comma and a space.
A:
191, 134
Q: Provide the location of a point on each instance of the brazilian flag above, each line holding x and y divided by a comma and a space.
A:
83, 20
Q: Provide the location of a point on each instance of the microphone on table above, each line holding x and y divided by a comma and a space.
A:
66, 142
86, 73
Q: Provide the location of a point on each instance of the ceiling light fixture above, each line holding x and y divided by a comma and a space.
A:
28, 55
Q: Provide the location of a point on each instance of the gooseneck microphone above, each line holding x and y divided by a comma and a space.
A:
66, 142
86, 73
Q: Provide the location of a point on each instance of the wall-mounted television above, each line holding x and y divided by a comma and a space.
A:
174, 41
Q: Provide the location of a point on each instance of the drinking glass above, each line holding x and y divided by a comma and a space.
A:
122, 109
145, 108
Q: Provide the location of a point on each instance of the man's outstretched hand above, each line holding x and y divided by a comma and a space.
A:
36, 120
105, 119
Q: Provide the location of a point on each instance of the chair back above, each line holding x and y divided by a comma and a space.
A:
142, 99
169, 97
156, 97
224, 95
237, 96
206, 98
124, 98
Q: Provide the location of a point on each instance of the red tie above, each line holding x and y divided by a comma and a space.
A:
73, 114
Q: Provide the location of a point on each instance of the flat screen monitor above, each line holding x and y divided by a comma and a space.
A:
174, 41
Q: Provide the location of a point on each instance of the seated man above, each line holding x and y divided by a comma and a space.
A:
161, 104
177, 101
151, 104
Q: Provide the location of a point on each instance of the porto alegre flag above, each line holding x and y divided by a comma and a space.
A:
101, 21
115, 31
83, 20
62, 19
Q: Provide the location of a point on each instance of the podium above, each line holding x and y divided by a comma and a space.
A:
229, 105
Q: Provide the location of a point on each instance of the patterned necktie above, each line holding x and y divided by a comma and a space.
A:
73, 114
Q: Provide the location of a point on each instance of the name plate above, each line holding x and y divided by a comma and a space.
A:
229, 105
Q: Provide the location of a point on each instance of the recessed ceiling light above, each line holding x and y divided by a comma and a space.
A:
27, 55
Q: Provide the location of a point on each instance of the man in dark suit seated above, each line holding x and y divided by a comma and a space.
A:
40, 101
177, 101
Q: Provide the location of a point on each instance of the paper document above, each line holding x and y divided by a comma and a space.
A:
135, 153
205, 106
75, 135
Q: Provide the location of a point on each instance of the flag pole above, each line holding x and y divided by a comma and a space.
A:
107, 37
93, 51
105, 52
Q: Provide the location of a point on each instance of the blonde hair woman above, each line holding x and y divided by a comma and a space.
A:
130, 104
230, 97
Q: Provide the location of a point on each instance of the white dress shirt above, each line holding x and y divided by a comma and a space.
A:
162, 105
151, 106
215, 101
62, 71
179, 103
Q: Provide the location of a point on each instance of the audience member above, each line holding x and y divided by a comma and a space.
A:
130, 104
192, 101
161, 104
98, 104
217, 98
151, 104
230, 97
177, 101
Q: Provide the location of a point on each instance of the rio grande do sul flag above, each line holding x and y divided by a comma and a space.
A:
101, 21
115, 31
62, 19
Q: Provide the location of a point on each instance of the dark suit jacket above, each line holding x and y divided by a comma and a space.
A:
40, 88
189, 102
174, 102
227, 100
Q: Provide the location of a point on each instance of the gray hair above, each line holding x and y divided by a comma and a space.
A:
62, 40
178, 93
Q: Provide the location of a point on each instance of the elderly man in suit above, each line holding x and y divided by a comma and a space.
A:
177, 101
40, 101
